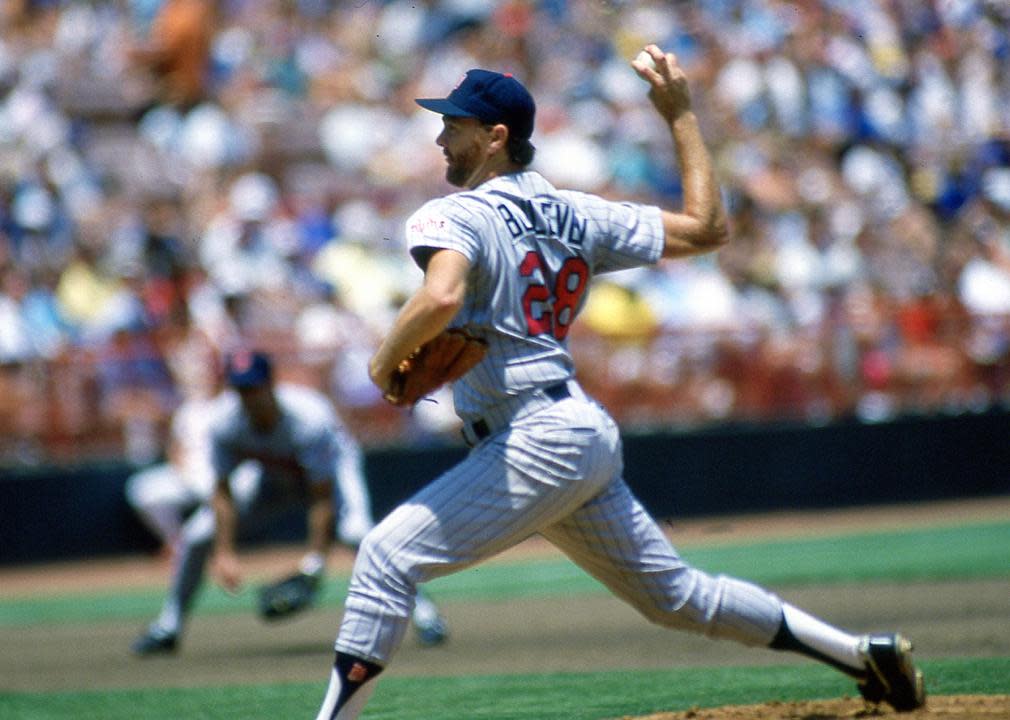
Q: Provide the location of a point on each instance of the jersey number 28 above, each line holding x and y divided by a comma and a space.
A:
557, 298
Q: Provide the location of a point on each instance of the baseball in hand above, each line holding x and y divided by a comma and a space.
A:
646, 59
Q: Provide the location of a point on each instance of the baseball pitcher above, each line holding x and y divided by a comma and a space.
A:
508, 260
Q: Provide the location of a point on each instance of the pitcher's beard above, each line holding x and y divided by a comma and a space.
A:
456, 175
463, 167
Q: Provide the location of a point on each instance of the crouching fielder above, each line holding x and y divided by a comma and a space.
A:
271, 449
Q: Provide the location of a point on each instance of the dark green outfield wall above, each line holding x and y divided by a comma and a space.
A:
63, 513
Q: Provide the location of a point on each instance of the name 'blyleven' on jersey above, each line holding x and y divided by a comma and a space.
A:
555, 219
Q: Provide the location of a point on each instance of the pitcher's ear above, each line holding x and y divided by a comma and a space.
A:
499, 137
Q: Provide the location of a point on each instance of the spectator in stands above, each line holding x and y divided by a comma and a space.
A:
861, 148
242, 248
176, 51
16, 342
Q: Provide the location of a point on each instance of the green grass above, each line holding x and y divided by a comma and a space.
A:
970, 551
581, 696
963, 552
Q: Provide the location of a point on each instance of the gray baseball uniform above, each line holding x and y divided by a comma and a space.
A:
165, 494
309, 445
546, 458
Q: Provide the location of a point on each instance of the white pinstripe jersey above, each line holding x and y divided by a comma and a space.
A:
533, 251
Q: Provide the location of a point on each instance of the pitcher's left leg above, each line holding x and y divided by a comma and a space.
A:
618, 542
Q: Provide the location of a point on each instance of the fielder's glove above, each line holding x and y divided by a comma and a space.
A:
288, 596
444, 358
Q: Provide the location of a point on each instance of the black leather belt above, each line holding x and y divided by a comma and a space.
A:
557, 393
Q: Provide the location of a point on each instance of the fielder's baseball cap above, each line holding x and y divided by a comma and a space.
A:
490, 97
248, 369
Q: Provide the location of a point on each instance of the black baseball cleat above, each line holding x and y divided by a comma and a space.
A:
891, 676
154, 643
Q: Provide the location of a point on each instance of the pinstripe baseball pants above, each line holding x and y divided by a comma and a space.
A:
556, 472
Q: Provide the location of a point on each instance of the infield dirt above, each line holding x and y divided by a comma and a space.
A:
579, 633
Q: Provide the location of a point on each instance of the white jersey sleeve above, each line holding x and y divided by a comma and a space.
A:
435, 226
190, 430
227, 425
621, 235
533, 252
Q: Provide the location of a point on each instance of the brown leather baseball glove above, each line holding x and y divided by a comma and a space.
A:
444, 358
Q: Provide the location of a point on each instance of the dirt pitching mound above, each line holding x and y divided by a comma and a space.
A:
945, 707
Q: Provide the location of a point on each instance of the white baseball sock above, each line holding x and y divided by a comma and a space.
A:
825, 639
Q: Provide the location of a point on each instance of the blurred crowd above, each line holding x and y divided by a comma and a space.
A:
178, 177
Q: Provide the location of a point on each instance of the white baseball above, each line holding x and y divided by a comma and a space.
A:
646, 59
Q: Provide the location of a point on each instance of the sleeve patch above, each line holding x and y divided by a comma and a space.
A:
424, 227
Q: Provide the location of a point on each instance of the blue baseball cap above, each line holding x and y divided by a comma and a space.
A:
248, 369
490, 97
